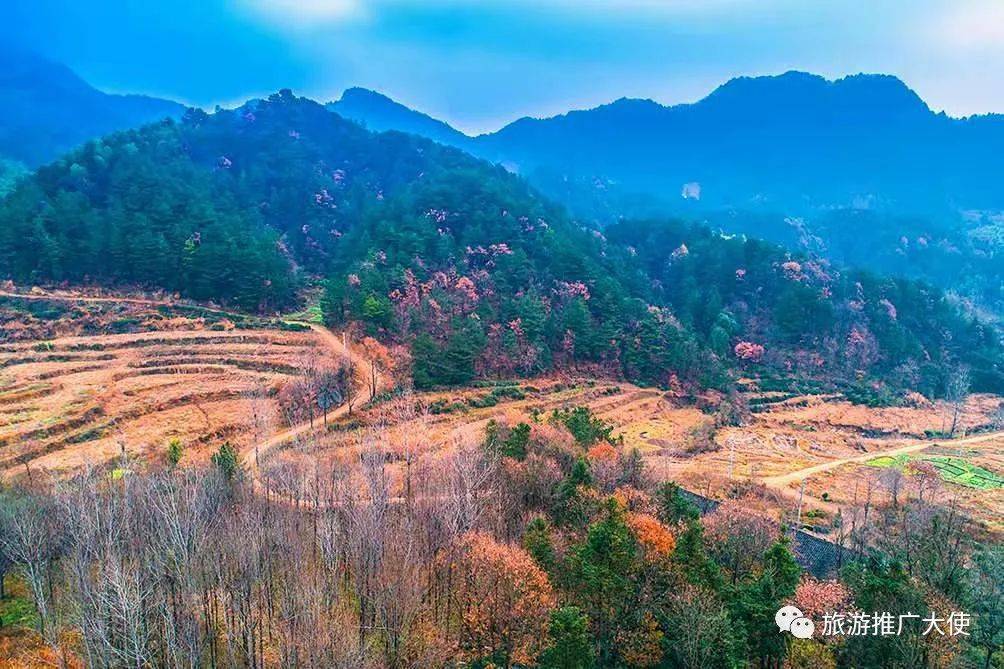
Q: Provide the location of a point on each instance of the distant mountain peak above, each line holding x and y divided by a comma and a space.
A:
875, 92
883, 89
358, 94
379, 113
21, 69
47, 109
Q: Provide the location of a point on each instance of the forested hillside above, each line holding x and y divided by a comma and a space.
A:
858, 170
802, 315
542, 546
229, 206
462, 261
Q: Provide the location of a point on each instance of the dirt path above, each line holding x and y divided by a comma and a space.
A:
784, 480
253, 456
62, 297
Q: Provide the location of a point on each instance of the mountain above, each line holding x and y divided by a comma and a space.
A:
379, 113
794, 142
46, 109
857, 170
463, 263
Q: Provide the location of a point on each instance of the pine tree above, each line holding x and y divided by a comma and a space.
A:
569, 642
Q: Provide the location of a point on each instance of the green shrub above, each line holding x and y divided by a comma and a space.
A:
585, 428
175, 451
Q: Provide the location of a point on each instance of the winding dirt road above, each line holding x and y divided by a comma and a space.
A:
334, 343
253, 456
783, 480
66, 297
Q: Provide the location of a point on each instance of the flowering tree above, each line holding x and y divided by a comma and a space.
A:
792, 270
747, 351
814, 597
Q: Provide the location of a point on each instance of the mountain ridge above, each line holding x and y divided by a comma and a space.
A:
378, 112
46, 109
424, 246
795, 139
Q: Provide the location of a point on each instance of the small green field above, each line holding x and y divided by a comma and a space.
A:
952, 470
311, 314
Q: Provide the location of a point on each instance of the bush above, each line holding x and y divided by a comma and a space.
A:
871, 395
175, 451
702, 439
586, 428
227, 461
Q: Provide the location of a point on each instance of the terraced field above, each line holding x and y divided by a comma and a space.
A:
81, 400
415, 429
85, 379
951, 469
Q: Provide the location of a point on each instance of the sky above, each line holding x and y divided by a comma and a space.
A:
482, 63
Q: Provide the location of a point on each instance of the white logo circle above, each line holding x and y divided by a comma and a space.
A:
785, 615
802, 628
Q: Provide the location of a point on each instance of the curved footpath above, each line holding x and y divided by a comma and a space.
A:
252, 456
783, 480
334, 343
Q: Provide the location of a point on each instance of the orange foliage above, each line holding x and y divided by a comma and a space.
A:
380, 362
25, 649
602, 452
505, 598
651, 533
633, 499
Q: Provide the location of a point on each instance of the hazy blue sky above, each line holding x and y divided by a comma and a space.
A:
480, 63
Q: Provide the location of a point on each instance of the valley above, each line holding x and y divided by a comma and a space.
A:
115, 401
638, 335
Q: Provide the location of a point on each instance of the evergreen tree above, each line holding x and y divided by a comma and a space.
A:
537, 542
227, 461
569, 646
602, 572
755, 603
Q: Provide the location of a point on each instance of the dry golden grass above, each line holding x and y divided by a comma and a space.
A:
70, 398
782, 440
83, 400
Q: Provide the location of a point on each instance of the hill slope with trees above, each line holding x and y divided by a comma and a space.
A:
460, 260
858, 170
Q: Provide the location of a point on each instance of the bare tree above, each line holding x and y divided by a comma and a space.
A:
32, 541
956, 392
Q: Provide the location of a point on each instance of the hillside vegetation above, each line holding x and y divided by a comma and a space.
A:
463, 261
858, 170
